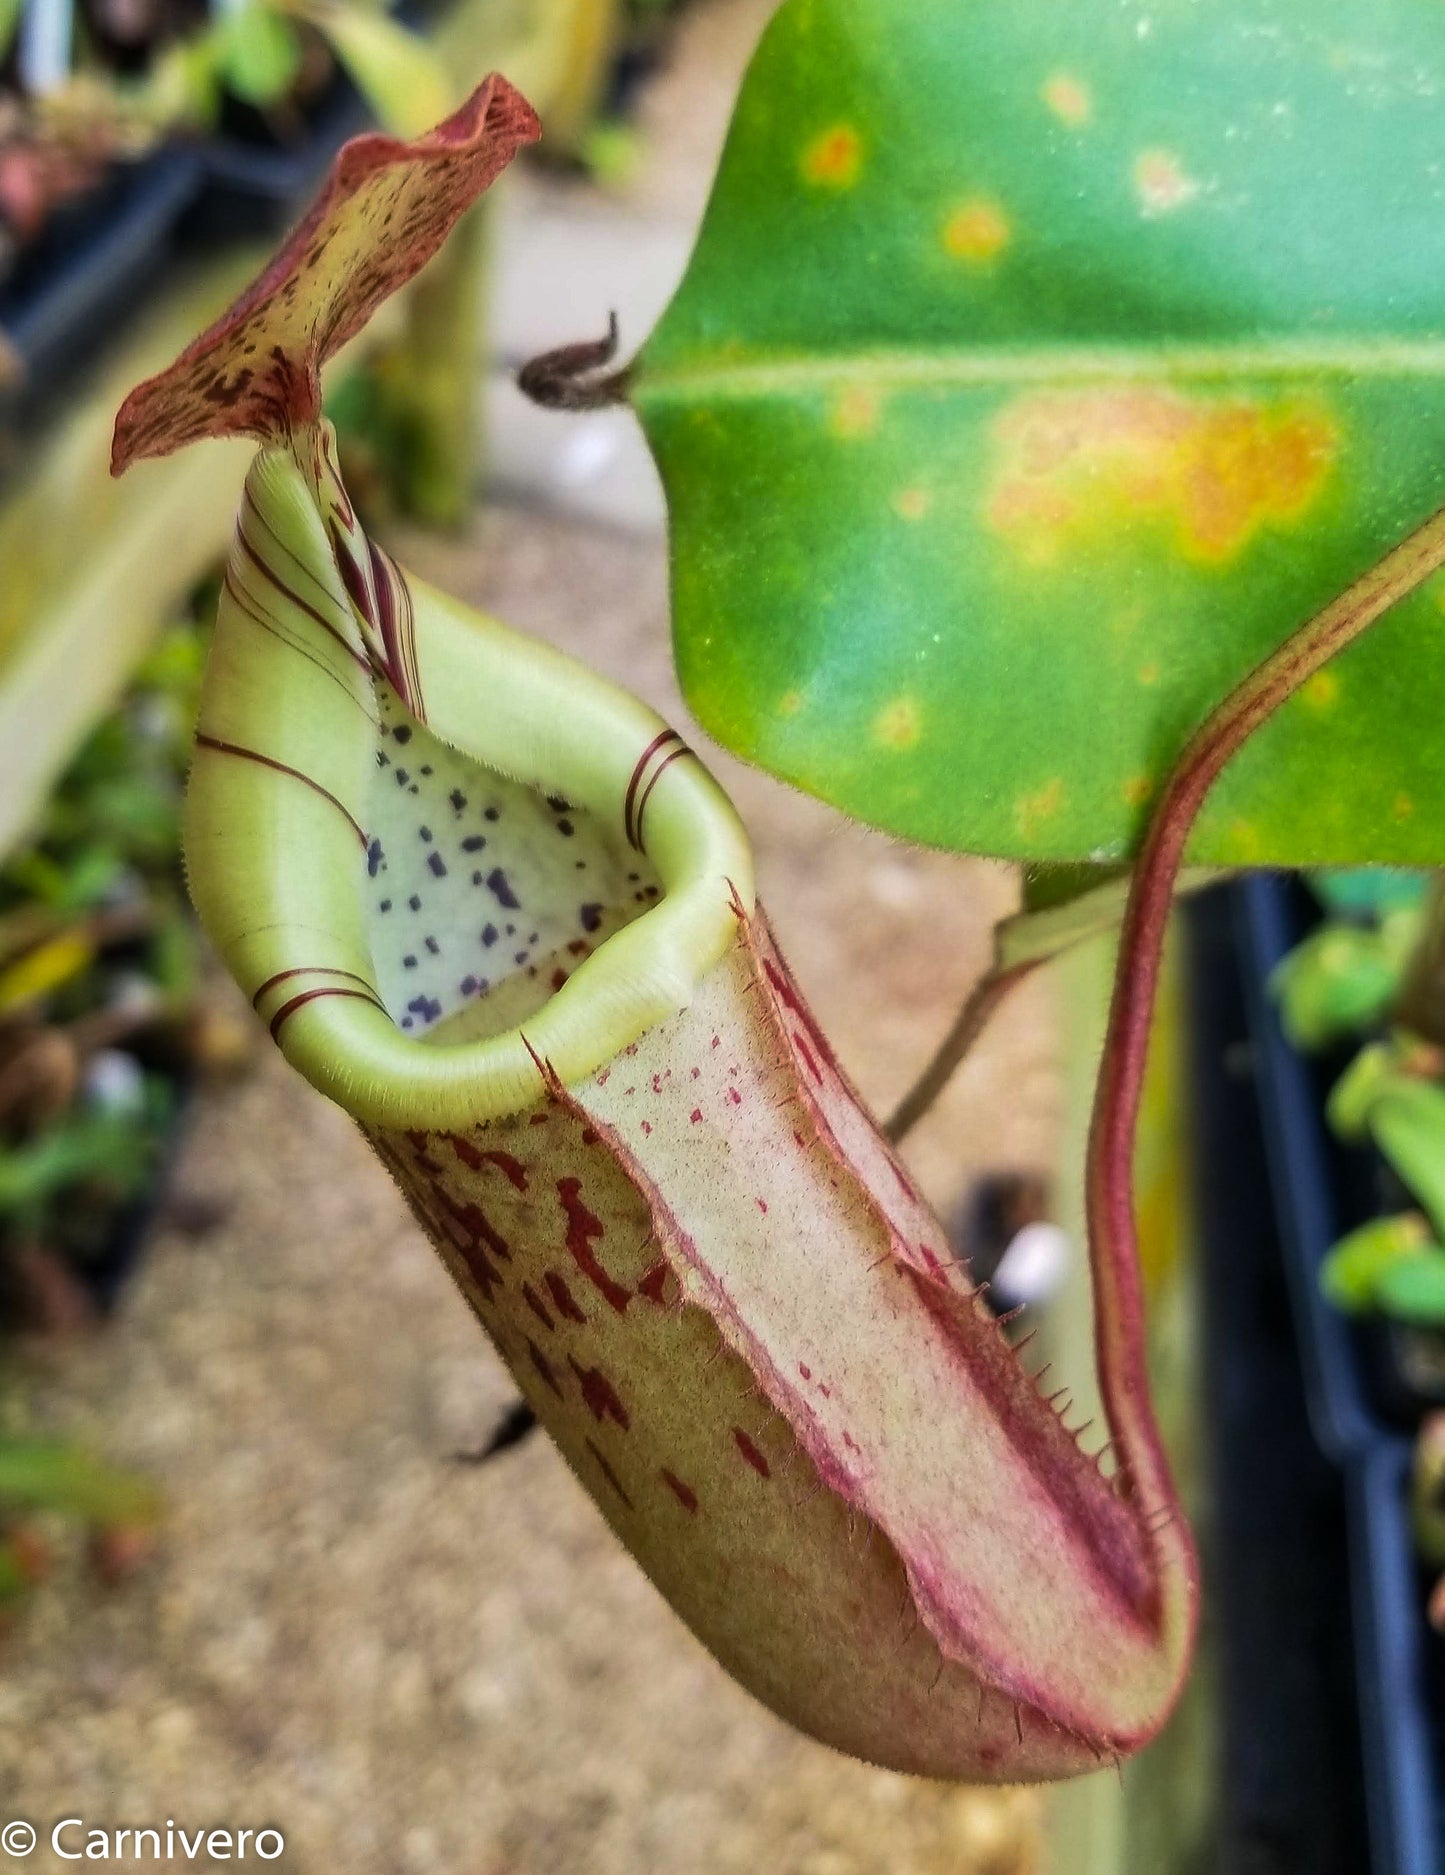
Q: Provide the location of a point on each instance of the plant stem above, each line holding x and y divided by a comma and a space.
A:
1022, 942
970, 1022
435, 391
1109, 1201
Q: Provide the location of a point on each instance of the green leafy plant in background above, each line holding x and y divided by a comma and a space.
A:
1373, 969
96, 958
258, 52
42, 1481
1345, 980
255, 52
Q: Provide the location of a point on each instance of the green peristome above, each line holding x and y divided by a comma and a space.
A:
1037, 370
355, 919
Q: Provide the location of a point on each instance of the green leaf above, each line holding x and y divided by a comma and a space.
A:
10, 11
1408, 1125
114, 1149
43, 1475
1413, 1289
1405, 1118
260, 54
398, 74
1427, 1490
1368, 891
1342, 979
1372, 1073
1037, 370
1351, 1274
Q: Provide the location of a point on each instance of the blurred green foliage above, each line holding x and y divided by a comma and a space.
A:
1342, 982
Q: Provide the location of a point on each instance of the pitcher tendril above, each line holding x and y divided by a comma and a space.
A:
571, 376
1113, 1225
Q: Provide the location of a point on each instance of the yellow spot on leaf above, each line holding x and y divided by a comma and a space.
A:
1069, 99
1404, 807
1080, 467
911, 504
854, 412
898, 725
1138, 789
1032, 810
833, 159
976, 232
790, 703
1244, 839
1322, 691
1161, 182
1148, 675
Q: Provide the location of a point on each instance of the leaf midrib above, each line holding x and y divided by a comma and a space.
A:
885, 367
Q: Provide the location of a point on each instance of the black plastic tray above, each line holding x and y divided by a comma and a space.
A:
1318, 1194
1275, 1528
60, 306
248, 189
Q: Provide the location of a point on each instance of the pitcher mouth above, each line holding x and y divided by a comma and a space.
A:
488, 900
511, 870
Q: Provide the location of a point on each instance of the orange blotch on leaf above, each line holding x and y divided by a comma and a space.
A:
1162, 183
976, 232
1138, 789
854, 412
1032, 811
833, 159
1074, 468
911, 504
1404, 807
1322, 691
898, 725
1069, 99
790, 703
